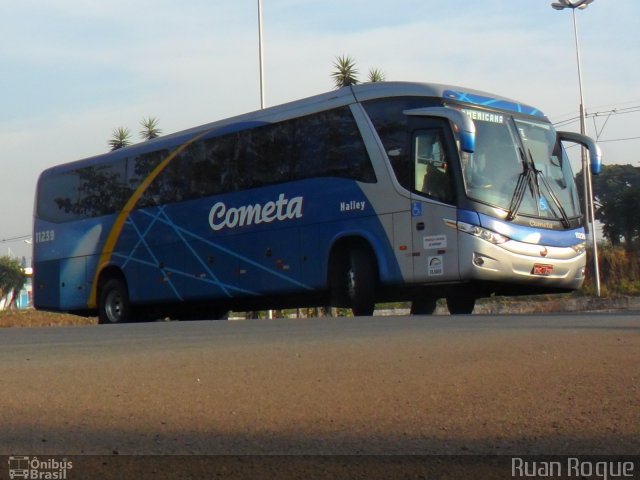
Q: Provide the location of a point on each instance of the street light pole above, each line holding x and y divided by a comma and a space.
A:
261, 54
261, 62
586, 171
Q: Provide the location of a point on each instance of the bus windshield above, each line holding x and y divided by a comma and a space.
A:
506, 148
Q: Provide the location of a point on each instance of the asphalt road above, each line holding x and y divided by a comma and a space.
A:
506, 384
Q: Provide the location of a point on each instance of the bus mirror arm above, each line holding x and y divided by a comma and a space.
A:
595, 154
465, 127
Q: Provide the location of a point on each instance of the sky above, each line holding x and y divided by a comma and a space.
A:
73, 70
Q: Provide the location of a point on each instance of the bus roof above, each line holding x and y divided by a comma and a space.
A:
309, 105
370, 91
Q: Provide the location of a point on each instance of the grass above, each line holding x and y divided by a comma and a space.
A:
35, 318
619, 272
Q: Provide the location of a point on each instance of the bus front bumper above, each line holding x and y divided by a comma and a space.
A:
521, 263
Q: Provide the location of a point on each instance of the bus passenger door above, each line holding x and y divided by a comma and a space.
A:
433, 210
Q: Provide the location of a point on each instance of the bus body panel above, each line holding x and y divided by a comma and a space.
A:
435, 243
66, 257
172, 253
189, 260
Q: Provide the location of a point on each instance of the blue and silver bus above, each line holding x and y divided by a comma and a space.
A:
378, 192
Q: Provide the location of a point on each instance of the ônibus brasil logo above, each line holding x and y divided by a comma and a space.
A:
35, 468
221, 217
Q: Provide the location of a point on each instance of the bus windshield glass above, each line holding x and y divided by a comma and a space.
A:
506, 148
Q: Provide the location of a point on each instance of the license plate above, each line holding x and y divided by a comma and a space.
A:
542, 269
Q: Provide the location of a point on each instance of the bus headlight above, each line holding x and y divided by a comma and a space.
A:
483, 233
579, 248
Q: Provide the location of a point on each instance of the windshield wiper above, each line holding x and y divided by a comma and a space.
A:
530, 177
518, 194
539, 175
524, 180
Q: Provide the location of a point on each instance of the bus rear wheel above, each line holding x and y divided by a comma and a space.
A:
361, 282
460, 305
114, 304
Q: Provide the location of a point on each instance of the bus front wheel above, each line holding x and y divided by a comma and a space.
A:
423, 306
114, 302
460, 305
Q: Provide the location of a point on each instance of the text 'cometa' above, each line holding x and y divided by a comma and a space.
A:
282, 209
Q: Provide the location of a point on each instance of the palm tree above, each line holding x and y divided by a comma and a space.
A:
150, 128
121, 137
376, 75
345, 72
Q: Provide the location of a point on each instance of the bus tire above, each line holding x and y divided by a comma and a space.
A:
114, 304
361, 282
423, 306
461, 305
189, 315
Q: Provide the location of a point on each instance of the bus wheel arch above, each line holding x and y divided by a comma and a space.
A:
113, 297
353, 275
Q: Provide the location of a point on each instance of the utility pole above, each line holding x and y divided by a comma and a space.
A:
261, 54
586, 171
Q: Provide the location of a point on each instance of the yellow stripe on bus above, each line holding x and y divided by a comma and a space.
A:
114, 234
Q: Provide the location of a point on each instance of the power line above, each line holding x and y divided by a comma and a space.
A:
15, 239
613, 112
608, 114
618, 103
612, 106
619, 139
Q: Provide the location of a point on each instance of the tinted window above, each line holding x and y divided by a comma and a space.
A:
53, 193
329, 144
139, 168
86, 192
326, 144
394, 132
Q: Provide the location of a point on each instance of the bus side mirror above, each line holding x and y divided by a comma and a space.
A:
465, 127
595, 154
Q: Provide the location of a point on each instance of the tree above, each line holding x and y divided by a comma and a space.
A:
376, 75
345, 72
120, 138
617, 202
150, 128
12, 278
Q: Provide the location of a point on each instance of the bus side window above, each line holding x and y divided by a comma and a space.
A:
87, 192
57, 193
268, 154
220, 169
328, 144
